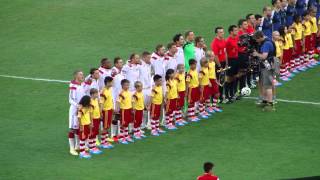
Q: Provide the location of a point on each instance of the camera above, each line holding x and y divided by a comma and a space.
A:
250, 45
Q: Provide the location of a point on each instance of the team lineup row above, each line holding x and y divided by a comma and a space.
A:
112, 101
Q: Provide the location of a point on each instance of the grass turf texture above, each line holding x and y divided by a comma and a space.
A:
49, 39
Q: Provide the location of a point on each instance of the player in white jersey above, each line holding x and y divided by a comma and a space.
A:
178, 39
170, 58
157, 59
104, 70
146, 74
131, 70
117, 78
92, 81
76, 92
200, 49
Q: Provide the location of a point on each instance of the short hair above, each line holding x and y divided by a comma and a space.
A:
116, 60
231, 28
107, 80
187, 33
124, 81
257, 16
170, 45
192, 62
248, 15
92, 70
103, 60
197, 39
304, 14
273, 2
156, 77
258, 35
159, 46
168, 73
93, 91
180, 65
85, 101
132, 55
265, 8
146, 53
241, 21
137, 84
176, 37
76, 72
207, 166
203, 61
217, 29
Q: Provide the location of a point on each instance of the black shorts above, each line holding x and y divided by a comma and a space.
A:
243, 60
234, 66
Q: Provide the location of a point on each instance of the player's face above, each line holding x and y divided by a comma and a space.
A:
107, 64
277, 4
96, 75
191, 36
136, 59
244, 25
269, 11
181, 41
276, 36
258, 22
235, 31
95, 95
193, 66
292, 2
119, 64
139, 88
147, 59
181, 69
252, 19
284, 3
201, 42
79, 76
173, 49
110, 84
220, 33
158, 82
162, 51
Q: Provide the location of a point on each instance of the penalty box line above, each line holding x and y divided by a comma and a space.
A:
64, 81
289, 101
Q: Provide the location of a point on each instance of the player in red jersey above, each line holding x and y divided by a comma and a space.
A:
208, 174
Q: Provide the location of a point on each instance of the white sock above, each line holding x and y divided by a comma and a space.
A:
71, 143
76, 141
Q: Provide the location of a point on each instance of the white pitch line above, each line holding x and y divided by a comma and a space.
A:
34, 79
290, 101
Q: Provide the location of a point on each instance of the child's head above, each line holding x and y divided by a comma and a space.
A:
193, 64
207, 167
180, 68
275, 35
306, 16
297, 19
157, 80
204, 62
138, 85
106, 63
94, 93
108, 82
85, 101
125, 83
169, 74
210, 55
313, 11
146, 57
78, 75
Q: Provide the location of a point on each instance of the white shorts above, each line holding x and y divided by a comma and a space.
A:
73, 118
147, 96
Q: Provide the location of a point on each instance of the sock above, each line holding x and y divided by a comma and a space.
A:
214, 102
76, 141
153, 124
171, 119
208, 103
82, 146
167, 119
201, 108
242, 82
103, 138
191, 110
71, 140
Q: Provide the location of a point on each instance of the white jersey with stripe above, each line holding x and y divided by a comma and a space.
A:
157, 63
199, 54
103, 74
76, 92
180, 55
131, 72
170, 61
146, 74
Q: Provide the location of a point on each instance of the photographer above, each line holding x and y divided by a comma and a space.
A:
266, 55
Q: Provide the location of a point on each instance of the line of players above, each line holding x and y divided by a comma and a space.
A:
133, 96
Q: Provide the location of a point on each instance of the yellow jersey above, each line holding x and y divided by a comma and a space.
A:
212, 70
84, 115
289, 39
96, 108
138, 101
157, 95
106, 99
297, 33
192, 79
285, 43
181, 82
204, 76
125, 100
279, 48
307, 28
172, 90
314, 26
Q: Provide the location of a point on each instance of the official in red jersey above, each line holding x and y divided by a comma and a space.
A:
208, 173
232, 52
218, 46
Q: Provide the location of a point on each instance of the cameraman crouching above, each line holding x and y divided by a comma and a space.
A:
266, 54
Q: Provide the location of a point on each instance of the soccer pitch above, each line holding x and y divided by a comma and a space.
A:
50, 39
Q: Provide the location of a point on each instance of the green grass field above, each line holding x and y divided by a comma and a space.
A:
49, 39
